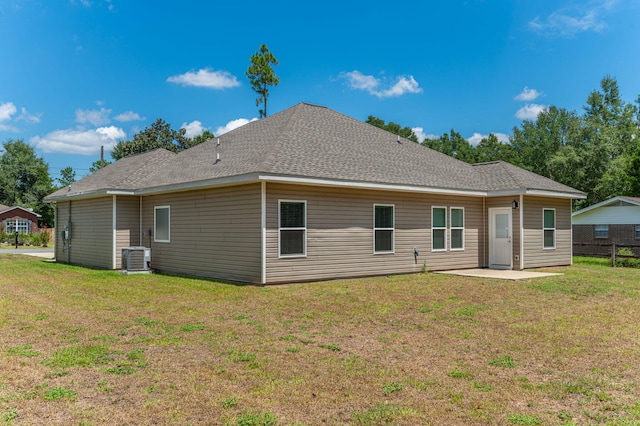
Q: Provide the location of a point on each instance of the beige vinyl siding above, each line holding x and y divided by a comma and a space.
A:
534, 254
215, 233
506, 202
340, 233
127, 225
91, 241
62, 218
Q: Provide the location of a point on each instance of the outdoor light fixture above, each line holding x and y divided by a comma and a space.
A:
514, 204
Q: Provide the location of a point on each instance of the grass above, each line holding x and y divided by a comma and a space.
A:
95, 347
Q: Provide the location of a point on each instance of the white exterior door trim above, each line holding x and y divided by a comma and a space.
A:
500, 238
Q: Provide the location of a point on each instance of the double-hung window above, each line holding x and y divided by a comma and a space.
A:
293, 228
438, 228
383, 228
601, 231
162, 224
549, 228
457, 228
16, 225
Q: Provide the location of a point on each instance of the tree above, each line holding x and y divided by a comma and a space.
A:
454, 145
98, 164
24, 179
535, 142
67, 177
158, 135
261, 75
205, 136
491, 149
405, 132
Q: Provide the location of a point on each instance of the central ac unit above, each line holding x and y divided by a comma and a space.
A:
136, 259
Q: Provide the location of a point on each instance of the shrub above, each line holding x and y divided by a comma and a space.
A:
45, 237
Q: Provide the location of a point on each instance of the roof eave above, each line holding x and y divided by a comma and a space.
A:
87, 194
537, 192
605, 203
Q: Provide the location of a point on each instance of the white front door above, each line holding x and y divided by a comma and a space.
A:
500, 238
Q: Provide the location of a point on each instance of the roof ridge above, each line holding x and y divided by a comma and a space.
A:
266, 164
515, 178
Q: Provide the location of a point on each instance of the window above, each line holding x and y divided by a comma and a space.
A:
549, 228
293, 228
638, 231
383, 228
457, 228
601, 231
13, 225
162, 224
438, 228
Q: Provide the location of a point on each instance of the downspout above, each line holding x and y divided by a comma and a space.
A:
55, 228
521, 232
141, 234
263, 226
114, 232
69, 224
571, 229
485, 225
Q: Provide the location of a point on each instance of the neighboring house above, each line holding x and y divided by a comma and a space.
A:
616, 220
312, 194
18, 219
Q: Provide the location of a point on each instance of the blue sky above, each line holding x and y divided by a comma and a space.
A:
78, 74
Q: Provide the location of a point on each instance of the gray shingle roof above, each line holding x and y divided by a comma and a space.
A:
315, 142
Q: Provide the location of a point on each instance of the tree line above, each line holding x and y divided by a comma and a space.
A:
596, 151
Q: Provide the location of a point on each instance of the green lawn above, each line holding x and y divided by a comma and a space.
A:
86, 347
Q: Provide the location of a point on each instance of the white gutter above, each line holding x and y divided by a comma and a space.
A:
258, 177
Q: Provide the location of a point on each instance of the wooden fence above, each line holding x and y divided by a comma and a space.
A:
611, 250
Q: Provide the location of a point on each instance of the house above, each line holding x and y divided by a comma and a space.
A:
616, 220
18, 219
312, 194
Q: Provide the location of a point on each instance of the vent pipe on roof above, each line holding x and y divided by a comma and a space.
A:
398, 140
218, 144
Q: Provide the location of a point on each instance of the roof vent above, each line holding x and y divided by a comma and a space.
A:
398, 140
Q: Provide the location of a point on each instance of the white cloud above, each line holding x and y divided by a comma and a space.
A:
528, 95
530, 111
357, 80
83, 142
419, 132
7, 109
193, 129
206, 78
128, 116
403, 84
93, 116
574, 19
233, 124
28, 118
477, 137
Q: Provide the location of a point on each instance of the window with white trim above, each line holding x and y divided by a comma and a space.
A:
292, 219
383, 228
13, 225
162, 224
438, 228
601, 231
457, 228
549, 228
